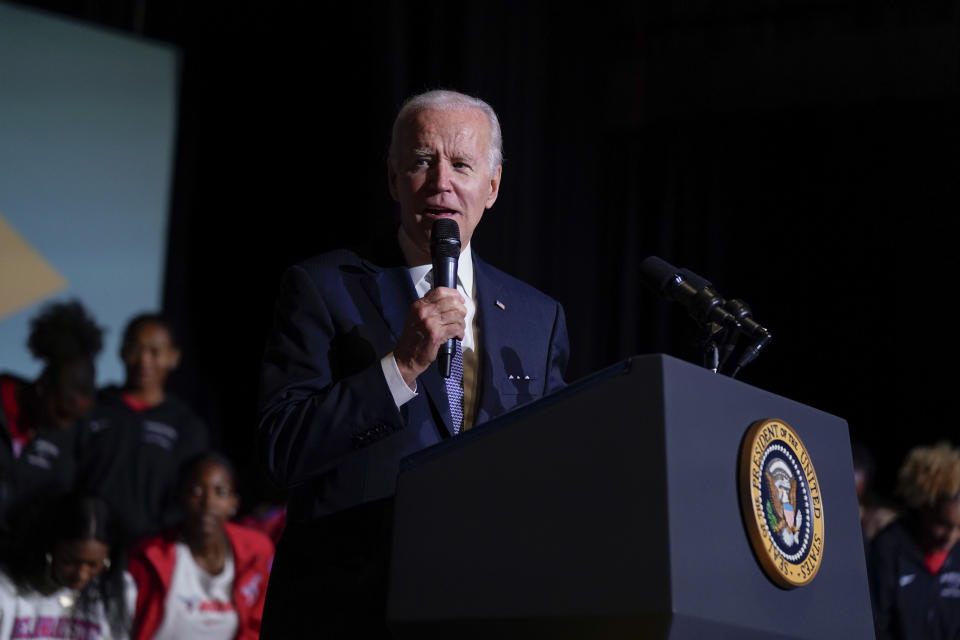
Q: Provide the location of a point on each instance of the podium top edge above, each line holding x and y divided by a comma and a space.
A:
624, 367
598, 377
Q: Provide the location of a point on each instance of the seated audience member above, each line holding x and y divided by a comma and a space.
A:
62, 582
37, 418
914, 563
137, 436
208, 578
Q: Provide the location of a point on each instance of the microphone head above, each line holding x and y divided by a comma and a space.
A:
445, 238
657, 273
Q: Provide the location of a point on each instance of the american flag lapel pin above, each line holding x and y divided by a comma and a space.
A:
501, 305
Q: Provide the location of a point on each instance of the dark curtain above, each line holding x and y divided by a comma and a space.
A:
801, 155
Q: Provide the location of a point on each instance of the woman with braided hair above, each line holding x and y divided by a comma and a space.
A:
37, 418
66, 578
915, 563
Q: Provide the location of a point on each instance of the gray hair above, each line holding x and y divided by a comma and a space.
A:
450, 100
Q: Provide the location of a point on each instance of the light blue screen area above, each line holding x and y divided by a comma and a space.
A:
87, 129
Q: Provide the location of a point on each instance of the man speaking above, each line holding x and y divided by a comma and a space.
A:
350, 385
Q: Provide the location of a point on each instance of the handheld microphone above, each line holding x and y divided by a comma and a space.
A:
445, 253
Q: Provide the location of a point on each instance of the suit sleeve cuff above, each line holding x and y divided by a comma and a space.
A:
402, 394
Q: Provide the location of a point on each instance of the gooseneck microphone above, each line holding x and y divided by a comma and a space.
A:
726, 319
738, 308
759, 337
445, 253
698, 298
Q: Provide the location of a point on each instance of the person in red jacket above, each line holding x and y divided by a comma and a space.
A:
207, 578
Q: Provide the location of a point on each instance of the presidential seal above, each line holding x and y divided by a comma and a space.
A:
781, 503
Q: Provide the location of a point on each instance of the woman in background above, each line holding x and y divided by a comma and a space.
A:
62, 581
138, 436
914, 562
37, 418
208, 578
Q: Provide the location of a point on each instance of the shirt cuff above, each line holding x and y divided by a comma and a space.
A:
401, 392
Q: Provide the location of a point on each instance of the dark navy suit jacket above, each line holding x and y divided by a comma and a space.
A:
329, 426
333, 436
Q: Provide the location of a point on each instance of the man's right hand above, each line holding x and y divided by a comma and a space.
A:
431, 321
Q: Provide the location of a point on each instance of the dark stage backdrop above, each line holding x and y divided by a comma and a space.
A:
802, 155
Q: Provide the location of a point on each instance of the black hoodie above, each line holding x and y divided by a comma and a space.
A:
132, 459
909, 601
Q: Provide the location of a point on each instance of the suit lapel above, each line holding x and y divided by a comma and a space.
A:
494, 326
393, 293
436, 390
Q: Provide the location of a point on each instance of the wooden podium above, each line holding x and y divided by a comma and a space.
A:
611, 510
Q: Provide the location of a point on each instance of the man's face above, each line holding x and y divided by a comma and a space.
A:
441, 169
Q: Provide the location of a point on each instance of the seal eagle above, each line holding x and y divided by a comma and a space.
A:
783, 496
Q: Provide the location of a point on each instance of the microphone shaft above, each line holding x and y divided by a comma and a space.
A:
445, 275
445, 253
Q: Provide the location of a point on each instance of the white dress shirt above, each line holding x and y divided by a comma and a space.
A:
402, 393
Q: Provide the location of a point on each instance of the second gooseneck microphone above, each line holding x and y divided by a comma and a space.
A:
726, 319
698, 298
445, 254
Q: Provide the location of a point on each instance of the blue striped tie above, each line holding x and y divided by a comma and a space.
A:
455, 389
